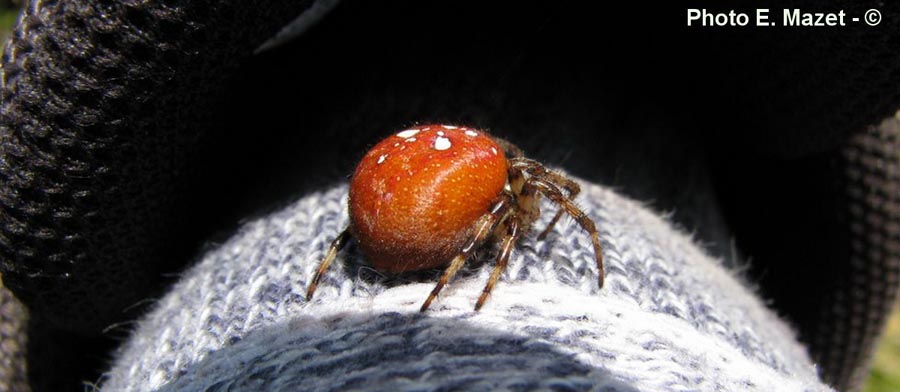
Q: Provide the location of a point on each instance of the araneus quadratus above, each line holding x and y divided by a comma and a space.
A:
429, 196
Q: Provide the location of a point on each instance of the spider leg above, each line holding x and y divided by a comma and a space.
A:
535, 168
538, 170
483, 228
336, 246
550, 225
509, 241
572, 188
555, 195
526, 164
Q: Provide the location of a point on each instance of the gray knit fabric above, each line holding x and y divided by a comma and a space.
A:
670, 318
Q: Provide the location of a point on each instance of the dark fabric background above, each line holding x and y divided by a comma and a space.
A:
130, 141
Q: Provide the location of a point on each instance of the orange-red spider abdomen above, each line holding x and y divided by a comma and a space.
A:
416, 195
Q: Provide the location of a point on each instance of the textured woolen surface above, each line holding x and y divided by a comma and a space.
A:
669, 318
102, 104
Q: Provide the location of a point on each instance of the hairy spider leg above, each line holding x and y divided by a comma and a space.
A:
534, 168
570, 186
483, 228
555, 195
333, 250
509, 241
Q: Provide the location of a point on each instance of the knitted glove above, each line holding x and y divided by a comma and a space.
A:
669, 318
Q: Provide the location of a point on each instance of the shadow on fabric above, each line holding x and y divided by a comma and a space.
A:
391, 351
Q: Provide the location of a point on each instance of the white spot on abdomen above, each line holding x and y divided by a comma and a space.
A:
471, 133
408, 133
494, 150
442, 143
449, 127
381, 158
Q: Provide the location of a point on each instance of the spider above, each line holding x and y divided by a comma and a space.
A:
429, 196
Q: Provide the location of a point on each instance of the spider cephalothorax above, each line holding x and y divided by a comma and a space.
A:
429, 196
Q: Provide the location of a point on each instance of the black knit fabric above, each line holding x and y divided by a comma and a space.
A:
868, 290
111, 178
102, 104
